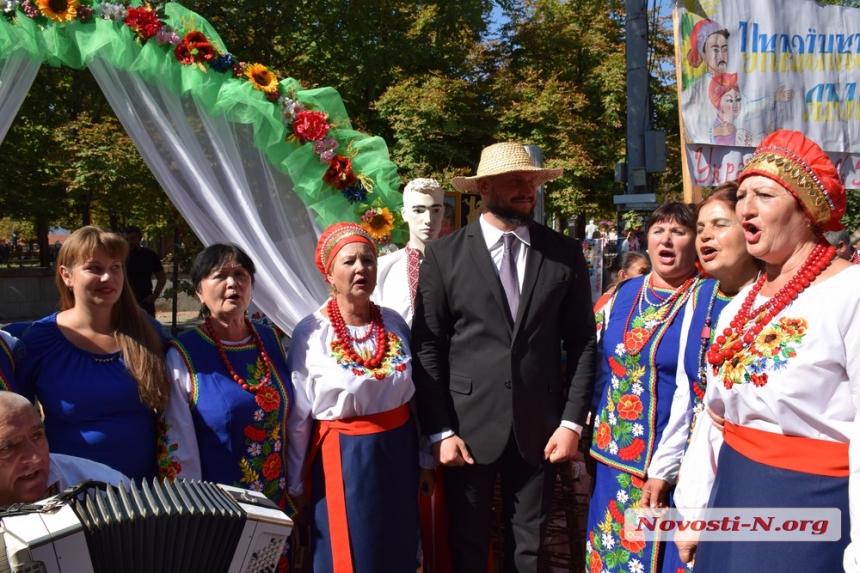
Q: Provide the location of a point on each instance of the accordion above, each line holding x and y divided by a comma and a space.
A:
184, 526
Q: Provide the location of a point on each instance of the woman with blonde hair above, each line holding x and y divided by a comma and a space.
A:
97, 366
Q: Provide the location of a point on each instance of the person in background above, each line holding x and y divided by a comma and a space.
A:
841, 241
627, 265
783, 371
141, 264
28, 472
350, 364
643, 328
498, 301
397, 277
97, 366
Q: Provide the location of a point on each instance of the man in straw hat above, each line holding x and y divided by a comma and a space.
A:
497, 303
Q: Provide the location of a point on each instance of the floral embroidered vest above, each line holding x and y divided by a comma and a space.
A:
637, 399
242, 437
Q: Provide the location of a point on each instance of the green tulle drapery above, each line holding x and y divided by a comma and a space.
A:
75, 43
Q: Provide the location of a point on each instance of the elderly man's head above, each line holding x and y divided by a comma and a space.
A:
24, 461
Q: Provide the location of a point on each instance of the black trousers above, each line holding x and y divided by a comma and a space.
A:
527, 492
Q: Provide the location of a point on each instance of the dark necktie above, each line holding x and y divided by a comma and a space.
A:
508, 274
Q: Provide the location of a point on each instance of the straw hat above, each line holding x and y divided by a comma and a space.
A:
499, 158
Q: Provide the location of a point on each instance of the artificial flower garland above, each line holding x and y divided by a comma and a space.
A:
195, 49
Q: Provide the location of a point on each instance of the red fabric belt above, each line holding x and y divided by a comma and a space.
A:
326, 438
806, 455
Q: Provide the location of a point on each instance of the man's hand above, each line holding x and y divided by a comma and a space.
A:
562, 445
452, 451
654, 493
426, 481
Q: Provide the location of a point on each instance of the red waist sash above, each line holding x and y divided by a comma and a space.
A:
326, 438
795, 453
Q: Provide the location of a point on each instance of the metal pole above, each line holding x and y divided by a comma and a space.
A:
638, 100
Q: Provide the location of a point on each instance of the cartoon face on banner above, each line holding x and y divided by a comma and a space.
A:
791, 69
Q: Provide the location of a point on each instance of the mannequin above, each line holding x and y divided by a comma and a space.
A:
423, 210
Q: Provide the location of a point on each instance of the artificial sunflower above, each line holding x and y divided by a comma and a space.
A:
262, 78
379, 223
59, 10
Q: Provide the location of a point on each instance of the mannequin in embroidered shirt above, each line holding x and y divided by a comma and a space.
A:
423, 210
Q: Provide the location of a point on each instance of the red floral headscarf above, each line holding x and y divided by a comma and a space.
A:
335, 238
798, 164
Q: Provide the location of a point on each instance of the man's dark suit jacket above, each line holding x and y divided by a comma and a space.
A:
479, 375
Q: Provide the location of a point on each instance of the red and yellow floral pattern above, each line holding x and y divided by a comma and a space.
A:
770, 350
394, 360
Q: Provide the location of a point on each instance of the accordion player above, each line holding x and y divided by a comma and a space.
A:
184, 526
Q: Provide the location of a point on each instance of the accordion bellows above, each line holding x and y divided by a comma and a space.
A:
160, 528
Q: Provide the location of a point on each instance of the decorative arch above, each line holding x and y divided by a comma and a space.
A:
245, 157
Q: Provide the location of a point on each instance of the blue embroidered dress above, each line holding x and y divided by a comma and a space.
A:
640, 346
91, 403
220, 432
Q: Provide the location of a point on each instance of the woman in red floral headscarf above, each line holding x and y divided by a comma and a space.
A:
351, 430
784, 372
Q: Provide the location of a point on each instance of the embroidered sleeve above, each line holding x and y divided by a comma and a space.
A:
178, 455
299, 418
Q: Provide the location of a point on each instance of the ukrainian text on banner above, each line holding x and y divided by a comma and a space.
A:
747, 69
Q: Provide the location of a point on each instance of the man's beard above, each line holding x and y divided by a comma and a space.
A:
508, 214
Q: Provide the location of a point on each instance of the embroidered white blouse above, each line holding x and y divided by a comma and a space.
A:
392, 284
326, 390
811, 361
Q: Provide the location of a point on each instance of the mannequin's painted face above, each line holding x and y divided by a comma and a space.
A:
424, 213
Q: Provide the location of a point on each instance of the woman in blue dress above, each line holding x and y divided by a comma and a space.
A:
226, 421
230, 395
97, 366
640, 343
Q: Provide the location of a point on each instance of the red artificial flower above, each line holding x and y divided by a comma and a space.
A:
255, 434
629, 407
310, 125
272, 467
268, 399
144, 21
183, 54
339, 172
194, 47
603, 435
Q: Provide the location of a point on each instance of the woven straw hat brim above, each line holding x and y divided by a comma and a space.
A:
471, 183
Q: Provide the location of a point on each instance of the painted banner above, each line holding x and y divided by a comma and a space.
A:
748, 68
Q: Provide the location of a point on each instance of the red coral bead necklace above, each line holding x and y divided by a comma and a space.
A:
223, 354
345, 340
749, 322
